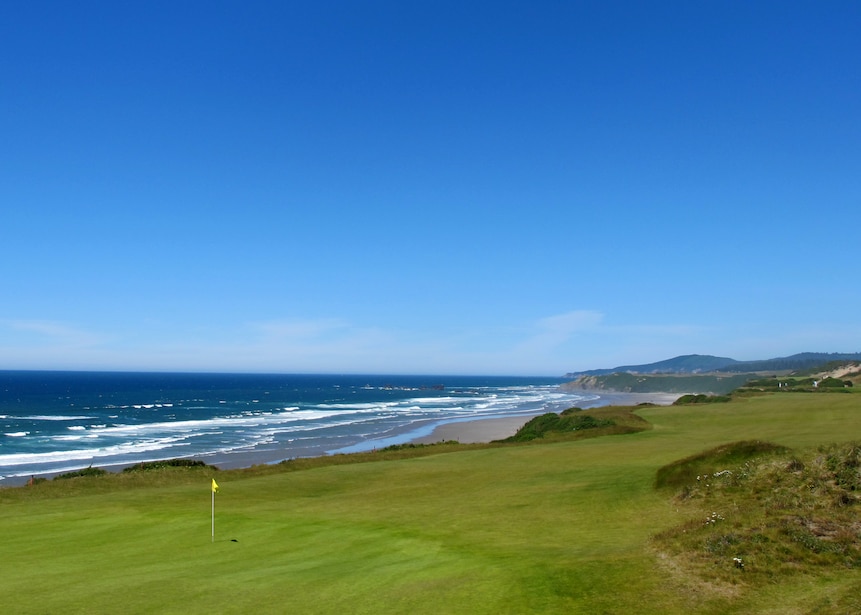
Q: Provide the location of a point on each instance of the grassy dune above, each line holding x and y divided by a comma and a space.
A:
561, 527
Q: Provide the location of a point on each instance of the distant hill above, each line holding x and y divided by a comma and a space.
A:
685, 364
704, 364
625, 382
796, 362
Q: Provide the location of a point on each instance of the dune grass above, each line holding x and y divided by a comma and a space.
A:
559, 527
773, 514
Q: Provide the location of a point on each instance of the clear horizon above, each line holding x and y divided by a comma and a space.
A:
378, 374
456, 188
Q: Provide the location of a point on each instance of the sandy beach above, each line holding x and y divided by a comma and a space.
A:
469, 432
488, 430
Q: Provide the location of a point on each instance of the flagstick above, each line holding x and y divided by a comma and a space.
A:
213, 514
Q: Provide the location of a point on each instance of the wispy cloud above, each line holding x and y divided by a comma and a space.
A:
565, 325
553, 331
300, 329
324, 344
53, 332
52, 344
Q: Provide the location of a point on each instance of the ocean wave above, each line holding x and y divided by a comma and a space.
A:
359, 406
321, 426
224, 423
17, 434
57, 417
292, 417
86, 454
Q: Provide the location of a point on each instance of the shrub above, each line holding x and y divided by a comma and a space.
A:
548, 423
571, 411
536, 428
89, 471
700, 398
145, 466
831, 383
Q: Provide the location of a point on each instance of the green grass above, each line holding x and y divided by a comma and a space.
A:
566, 526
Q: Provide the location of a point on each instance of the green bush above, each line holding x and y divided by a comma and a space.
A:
831, 383
700, 398
571, 411
89, 471
545, 424
145, 466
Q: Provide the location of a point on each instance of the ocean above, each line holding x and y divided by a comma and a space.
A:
53, 422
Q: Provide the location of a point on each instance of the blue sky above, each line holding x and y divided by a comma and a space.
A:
436, 187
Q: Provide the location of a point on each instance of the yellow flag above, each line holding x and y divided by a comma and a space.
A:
214, 486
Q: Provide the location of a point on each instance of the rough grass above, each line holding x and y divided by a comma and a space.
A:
773, 517
565, 526
688, 472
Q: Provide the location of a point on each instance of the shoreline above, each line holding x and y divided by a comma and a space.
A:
498, 428
464, 431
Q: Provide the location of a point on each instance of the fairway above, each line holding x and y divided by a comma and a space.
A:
565, 527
